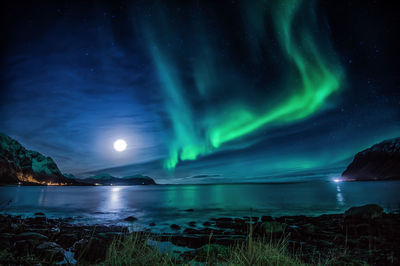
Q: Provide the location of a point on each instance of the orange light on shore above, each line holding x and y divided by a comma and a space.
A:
56, 184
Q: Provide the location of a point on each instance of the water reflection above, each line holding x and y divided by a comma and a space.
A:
166, 203
339, 195
113, 200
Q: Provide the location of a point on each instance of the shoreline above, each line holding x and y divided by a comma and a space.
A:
342, 180
367, 234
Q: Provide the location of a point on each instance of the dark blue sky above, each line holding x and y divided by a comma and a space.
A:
205, 90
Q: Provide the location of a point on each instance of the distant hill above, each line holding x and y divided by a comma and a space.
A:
21, 166
106, 179
380, 162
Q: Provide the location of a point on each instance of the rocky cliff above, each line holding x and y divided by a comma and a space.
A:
380, 162
19, 165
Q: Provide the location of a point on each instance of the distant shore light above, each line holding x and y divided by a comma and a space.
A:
337, 180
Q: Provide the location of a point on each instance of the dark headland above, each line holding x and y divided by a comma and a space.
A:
379, 162
19, 166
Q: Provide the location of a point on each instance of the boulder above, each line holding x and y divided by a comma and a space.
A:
214, 250
266, 218
272, 227
67, 240
366, 212
175, 227
50, 251
251, 218
22, 246
363, 229
92, 250
130, 219
189, 241
192, 223
4, 243
30, 236
309, 228
207, 223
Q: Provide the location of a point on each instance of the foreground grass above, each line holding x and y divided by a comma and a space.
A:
135, 251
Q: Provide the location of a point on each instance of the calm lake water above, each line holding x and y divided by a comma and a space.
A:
166, 204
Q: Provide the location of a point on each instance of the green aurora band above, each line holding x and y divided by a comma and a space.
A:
311, 77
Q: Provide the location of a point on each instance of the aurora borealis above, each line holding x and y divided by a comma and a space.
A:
309, 79
202, 91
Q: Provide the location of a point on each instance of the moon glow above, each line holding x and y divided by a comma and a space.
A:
120, 145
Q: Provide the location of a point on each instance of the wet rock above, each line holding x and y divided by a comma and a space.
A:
227, 223
30, 236
8, 236
339, 239
364, 242
117, 228
42, 231
39, 218
223, 219
39, 214
228, 241
192, 223
130, 219
175, 227
239, 220
272, 227
309, 228
110, 236
5, 243
325, 244
50, 251
4, 226
214, 250
366, 212
189, 210
266, 218
190, 241
67, 240
15, 227
207, 224
202, 231
251, 218
55, 230
22, 246
93, 250
363, 229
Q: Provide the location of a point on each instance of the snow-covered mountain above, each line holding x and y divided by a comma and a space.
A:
19, 165
380, 162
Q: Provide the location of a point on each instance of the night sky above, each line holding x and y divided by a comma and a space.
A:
219, 91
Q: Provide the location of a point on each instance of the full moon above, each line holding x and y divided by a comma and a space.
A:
120, 145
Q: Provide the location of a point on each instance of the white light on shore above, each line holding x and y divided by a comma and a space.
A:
337, 180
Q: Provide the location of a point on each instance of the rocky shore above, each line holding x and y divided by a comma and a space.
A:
360, 234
